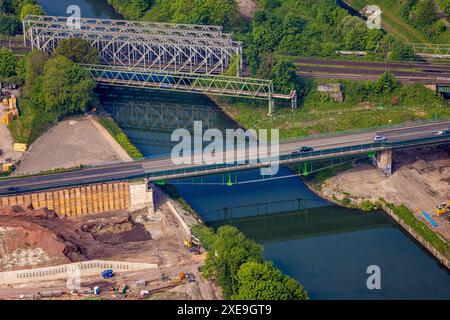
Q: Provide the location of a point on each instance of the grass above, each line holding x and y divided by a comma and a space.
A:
361, 109
118, 134
394, 23
420, 227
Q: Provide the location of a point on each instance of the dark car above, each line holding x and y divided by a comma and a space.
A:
306, 149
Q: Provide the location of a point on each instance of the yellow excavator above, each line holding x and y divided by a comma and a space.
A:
443, 208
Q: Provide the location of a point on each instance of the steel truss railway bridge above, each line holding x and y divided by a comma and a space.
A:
162, 56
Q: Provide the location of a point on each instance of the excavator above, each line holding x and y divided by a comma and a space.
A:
442, 208
193, 245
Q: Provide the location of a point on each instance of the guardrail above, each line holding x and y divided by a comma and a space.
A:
292, 158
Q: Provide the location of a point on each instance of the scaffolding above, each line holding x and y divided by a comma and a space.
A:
144, 45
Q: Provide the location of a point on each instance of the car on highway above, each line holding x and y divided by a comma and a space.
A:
301, 150
306, 149
442, 132
379, 138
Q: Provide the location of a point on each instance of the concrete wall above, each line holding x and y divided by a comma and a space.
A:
85, 268
88, 199
384, 160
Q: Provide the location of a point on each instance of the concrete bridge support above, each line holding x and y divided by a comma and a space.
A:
384, 162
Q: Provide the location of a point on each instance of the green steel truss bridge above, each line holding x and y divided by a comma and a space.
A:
189, 82
160, 116
145, 45
431, 50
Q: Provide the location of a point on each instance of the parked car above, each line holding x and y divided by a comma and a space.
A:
379, 138
107, 274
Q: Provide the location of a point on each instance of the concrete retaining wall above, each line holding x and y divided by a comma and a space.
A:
88, 199
65, 271
439, 256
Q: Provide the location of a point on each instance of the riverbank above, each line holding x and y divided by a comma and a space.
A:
419, 182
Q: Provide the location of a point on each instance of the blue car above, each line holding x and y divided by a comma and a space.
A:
107, 274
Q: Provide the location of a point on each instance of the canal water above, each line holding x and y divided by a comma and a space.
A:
327, 248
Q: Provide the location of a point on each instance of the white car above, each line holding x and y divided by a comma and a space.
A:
379, 138
442, 132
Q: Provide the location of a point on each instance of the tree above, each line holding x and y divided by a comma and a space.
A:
263, 281
67, 88
387, 83
284, 75
445, 7
78, 50
9, 24
34, 68
402, 52
230, 250
30, 9
423, 13
8, 63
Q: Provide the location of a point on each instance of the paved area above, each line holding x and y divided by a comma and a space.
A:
69, 144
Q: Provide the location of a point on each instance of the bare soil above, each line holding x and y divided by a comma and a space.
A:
247, 8
421, 180
119, 236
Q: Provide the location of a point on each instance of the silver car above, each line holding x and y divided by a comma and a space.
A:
379, 138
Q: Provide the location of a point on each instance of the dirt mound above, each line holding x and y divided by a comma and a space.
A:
22, 211
39, 238
24, 243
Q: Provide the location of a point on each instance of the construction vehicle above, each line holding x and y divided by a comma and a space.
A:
442, 208
193, 245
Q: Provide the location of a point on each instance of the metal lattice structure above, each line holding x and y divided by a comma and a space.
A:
160, 116
432, 50
144, 45
184, 82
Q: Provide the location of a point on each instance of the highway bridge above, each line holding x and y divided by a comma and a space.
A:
163, 168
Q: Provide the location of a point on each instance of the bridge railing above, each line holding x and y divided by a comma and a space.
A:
183, 82
291, 158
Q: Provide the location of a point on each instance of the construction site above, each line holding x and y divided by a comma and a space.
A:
121, 254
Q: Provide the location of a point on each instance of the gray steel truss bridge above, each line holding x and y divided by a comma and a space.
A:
145, 45
189, 82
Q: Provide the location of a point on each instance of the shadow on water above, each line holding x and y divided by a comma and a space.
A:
307, 223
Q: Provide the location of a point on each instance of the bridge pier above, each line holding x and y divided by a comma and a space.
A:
384, 162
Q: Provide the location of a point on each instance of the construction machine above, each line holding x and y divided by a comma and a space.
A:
442, 208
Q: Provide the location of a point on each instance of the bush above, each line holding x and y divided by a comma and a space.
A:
9, 24
78, 50
111, 126
8, 64
263, 281
367, 206
386, 84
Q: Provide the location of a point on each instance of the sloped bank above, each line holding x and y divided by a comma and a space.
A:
362, 187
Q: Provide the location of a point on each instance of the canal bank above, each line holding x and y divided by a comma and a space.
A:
324, 248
